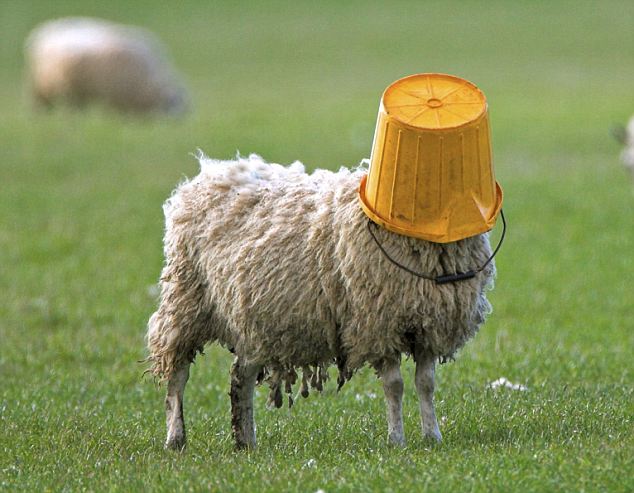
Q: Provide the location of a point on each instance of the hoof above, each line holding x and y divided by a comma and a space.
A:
396, 440
176, 443
241, 445
433, 436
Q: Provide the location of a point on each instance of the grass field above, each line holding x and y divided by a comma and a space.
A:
80, 249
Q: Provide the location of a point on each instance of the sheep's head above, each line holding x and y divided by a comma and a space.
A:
174, 99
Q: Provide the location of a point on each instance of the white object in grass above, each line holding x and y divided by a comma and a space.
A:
504, 382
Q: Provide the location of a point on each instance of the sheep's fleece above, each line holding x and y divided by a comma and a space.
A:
279, 267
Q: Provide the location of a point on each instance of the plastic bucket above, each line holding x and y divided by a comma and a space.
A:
431, 173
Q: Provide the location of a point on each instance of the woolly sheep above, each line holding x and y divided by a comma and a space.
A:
626, 136
82, 60
278, 266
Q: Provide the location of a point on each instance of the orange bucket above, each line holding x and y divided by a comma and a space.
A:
431, 172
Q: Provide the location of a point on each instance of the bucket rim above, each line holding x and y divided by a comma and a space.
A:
419, 232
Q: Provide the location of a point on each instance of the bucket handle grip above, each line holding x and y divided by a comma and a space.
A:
444, 278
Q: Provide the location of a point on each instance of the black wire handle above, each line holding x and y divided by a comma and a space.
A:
444, 278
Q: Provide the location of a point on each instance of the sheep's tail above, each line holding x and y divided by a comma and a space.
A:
180, 328
162, 358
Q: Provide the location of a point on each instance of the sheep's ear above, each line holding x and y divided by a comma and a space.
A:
619, 133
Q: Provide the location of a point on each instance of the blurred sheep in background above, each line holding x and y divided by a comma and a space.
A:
625, 135
77, 61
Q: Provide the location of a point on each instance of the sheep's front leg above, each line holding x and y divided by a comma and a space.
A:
174, 408
393, 388
425, 375
243, 378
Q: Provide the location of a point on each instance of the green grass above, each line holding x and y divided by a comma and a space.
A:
80, 246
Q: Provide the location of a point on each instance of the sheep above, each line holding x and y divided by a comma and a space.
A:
278, 266
78, 60
625, 135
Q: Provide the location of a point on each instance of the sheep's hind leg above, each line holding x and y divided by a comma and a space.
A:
393, 388
174, 408
425, 376
243, 378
